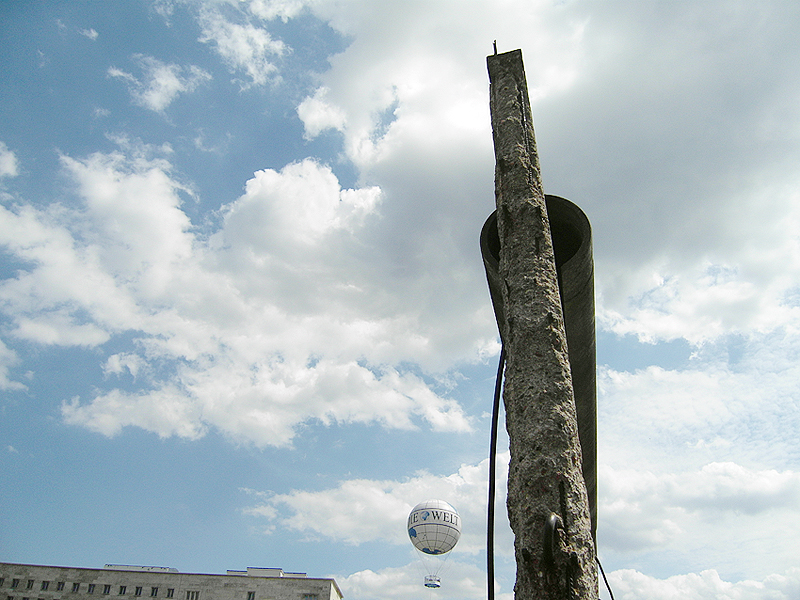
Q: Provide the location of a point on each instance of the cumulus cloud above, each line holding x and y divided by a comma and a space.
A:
693, 248
732, 487
89, 33
409, 96
40, 300
347, 512
459, 580
732, 401
317, 115
271, 9
675, 259
160, 83
675, 514
641, 514
702, 453
9, 166
300, 204
223, 338
629, 584
8, 358
754, 292
425, 65
645, 500
245, 46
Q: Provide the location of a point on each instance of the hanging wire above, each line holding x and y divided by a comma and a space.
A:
608, 587
434, 565
492, 476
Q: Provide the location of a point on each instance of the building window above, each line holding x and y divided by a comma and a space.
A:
251, 596
107, 589
192, 595
10, 598
30, 584
310, 597
170, 592
153, 592
2, 580
60, 586
76, 587
122, 590
45, 585
90, 590
14, 583
137, 591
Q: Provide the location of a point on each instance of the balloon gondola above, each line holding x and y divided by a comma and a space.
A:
433, 581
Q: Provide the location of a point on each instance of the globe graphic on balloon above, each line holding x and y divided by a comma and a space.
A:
434, 527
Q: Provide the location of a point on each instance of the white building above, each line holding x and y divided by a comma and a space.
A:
126, 582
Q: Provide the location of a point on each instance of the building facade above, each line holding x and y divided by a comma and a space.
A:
127, 582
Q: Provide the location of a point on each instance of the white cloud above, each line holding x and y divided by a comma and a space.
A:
647, 516
347, 512
317, 115
164, 411
628, 584
60, 328
300, 204
8, 358
165, 8
733, 401
703, 453
117, 364
9, 166
46, 302
731, 487
161, 83
673, 515
459, 580
410, 96
751, 292
425, 65
244, 46
216, 344
683, 252
89, 33
642, 501
271, 9
694, 207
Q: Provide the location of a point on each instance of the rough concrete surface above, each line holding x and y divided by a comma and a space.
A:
545, 476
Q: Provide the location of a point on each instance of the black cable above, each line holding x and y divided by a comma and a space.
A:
608, 587
492, 469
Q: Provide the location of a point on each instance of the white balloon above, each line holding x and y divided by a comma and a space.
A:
434, 527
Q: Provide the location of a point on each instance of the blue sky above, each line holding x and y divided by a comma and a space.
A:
243, 316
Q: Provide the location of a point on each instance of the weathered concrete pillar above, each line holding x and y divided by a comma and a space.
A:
571, 234
547, 501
